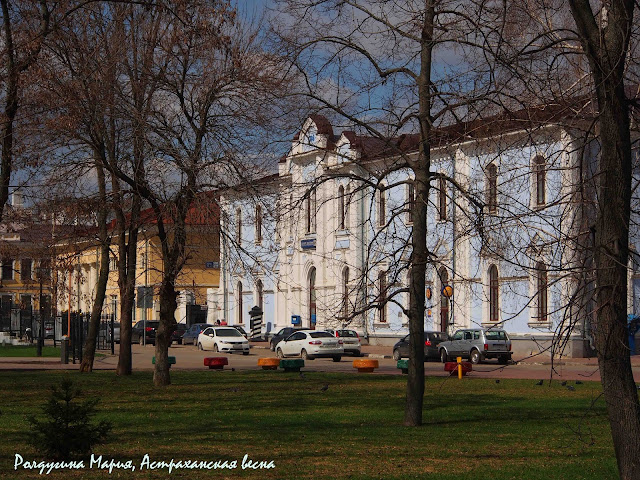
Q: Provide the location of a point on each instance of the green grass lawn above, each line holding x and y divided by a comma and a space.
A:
27, 351
473, 428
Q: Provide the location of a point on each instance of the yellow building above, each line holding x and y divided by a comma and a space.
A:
78, 269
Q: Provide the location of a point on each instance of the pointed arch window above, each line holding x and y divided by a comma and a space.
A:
258, 223
311, 211
492, 188
239, 300
345, 292
239, 225
540, 172
444, 300
341, 208
442, 199
382, 206
542, 290
382, 289
494, 291
312, 298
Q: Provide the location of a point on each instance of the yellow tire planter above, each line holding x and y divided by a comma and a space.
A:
365, 365
269, 363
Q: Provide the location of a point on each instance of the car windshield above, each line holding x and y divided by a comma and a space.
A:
320, 335
228, 332
496, 335
347, 333
151, 324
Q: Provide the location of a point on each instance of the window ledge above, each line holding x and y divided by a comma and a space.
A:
381, 325
543, 325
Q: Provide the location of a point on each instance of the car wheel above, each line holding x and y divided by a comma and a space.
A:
141, 340
475, 357
503, 359
337, 359
272, 346
215, 347
245, 353
200, 347
305, 355
396, 355
279, 353
444, 358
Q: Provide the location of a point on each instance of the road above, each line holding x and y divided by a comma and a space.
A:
189, 358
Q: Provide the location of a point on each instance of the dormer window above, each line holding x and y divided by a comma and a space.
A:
309, 139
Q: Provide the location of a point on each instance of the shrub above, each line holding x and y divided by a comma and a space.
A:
67, 431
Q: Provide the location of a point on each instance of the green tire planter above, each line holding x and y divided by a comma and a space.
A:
403, 365
292, 365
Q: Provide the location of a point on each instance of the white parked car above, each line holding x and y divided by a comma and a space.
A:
310, 344
350, 340
223, 339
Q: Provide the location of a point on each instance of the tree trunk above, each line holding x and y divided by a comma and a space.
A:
611, 257
103, 277
168, 305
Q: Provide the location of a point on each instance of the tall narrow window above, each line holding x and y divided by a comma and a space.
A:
311, 211
258, 223
239, 226
542, 282
444, 300
259, 291
539, 166
312, 298
442, 199
347, 201
492, 188
382, 288
494, 290
7, 269
345, 292
239, 315
382, 206
25, 269
411, 200
341, 211
291, 214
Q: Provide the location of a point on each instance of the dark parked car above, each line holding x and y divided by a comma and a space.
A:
144, 332
431, 342
280, 335
190, 337
176, 336
241, 330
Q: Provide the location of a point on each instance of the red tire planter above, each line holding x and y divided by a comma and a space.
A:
216, 363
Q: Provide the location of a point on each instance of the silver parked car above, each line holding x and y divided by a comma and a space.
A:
477, 344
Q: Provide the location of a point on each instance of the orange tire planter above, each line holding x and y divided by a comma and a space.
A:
269, 363
216, 363
365, 365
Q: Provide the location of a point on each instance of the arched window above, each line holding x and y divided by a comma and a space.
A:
411, 200
382, 206
345, 292
382, 295
347, 199
494, 290
311, 211
341, 211
442, 199
258, 223
259, 291
492, 188
312, 298
239, 226
541, 287
291, 214
444, 301
239, 300
540, 171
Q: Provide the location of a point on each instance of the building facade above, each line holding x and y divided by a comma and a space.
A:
507, 216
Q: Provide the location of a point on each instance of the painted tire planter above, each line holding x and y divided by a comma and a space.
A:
269, 363
216, 363
365, 365
452, 367
403, 365
292, 365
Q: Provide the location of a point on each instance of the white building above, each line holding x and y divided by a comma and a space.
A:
333, 227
